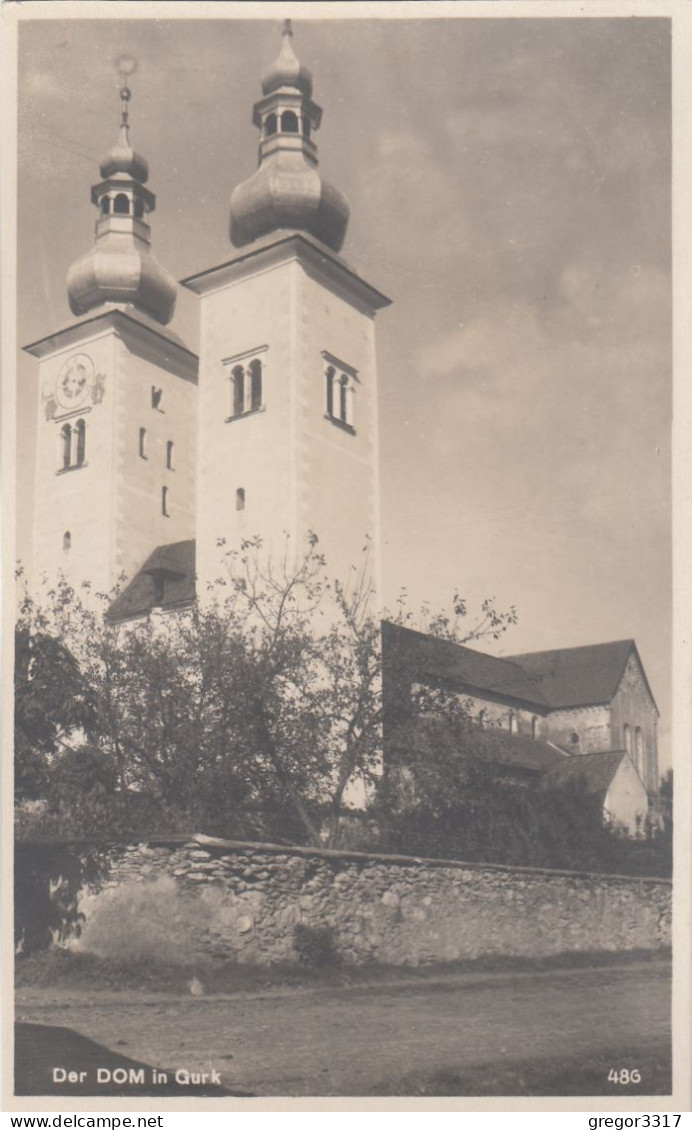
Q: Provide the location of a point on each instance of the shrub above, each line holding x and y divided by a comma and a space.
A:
315, 945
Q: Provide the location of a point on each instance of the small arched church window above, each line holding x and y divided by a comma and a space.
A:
238, 384
255, 368
627, 735
66, 446
289, 122
270, 125
80, 432
121, 205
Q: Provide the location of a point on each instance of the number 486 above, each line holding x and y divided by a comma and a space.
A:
623, 1075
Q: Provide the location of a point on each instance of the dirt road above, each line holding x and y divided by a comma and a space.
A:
350, 1041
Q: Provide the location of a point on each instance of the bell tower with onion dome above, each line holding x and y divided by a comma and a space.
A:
287, 422
116, 434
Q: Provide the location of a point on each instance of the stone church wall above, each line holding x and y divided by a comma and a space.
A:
224, 900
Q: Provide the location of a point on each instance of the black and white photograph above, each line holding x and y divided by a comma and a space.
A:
341, 581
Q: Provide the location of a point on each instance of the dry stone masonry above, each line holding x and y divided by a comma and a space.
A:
215, 899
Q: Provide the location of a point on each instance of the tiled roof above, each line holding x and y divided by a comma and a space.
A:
519, 749
551, 680
576, 676
596, 770
170, 569
426, 656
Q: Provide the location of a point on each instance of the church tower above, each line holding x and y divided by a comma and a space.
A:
115, 461
288, 434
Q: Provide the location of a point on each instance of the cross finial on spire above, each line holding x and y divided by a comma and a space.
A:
125, 65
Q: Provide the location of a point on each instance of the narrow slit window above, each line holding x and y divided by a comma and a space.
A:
142, 443
240, 498
169, 455
67, 540
164, 502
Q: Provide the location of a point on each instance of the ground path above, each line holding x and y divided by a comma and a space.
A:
354, 1040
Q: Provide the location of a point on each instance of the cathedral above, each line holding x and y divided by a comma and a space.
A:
149, 456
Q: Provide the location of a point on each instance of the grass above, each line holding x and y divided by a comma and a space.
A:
585, 1075
59, 968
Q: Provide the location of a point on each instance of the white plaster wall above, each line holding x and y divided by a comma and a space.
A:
632, 705
79, 500
112, 504
298, 470
626, 801
337, 470
590, 723
139, 522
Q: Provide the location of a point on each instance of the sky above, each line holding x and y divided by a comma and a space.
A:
509, 183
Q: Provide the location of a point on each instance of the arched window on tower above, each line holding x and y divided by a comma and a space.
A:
66, 446
289, 122
255, 369
639, 751
105, 205
121, 205
238, 386
270, 125
80, 433
330, 374
627, 736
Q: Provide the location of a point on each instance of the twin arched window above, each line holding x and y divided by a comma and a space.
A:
287, 122
246, 388
72, 446
340, 397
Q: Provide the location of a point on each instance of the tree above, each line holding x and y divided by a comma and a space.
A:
264, 706
51, 700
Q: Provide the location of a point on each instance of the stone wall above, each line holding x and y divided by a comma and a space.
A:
225, 900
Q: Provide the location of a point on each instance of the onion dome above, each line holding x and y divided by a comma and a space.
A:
287, 191
121, 267
286, 70
122, 157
